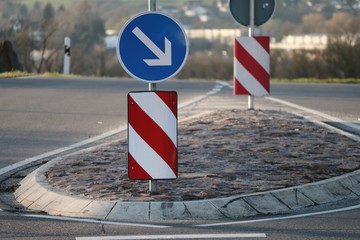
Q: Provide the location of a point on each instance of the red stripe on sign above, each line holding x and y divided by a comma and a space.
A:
170, 100
264, 42
239, 89
153, 135
251, 65
135, 170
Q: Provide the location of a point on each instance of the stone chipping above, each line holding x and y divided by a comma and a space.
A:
220, 154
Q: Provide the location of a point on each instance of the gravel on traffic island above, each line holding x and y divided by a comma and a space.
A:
220, 154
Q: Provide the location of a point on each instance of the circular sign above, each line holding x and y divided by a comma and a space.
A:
152, 47
240, 10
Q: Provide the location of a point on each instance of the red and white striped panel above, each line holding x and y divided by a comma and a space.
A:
152, 135
252, 66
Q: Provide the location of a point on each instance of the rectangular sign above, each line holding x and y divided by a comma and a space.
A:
252, 66
152, 135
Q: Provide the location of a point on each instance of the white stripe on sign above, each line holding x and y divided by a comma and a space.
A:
247, 80
157, 167
179, 236
159, 112
256, 51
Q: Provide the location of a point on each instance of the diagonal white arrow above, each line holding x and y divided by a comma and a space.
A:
164, 58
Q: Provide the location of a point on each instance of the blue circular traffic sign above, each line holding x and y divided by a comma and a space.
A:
263, 10
152, 47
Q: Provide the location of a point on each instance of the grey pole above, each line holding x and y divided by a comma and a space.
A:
152, 8
251, 98
152, 5
152, 87
67, 44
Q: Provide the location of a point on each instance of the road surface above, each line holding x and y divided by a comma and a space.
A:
322, 224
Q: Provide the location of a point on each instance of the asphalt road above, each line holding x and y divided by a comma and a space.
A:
338, 100
320, 225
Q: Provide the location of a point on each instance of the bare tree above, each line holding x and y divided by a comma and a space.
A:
47, 28
313, 23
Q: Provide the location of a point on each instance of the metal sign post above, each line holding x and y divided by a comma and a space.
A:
67, 44
152, 87
251, 98
152, 8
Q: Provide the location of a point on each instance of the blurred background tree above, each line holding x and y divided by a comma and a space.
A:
37, 30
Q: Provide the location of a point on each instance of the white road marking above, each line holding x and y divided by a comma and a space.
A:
215, 89
179, 236
60, 150
331, 118
226, 84
188, 103
281, 218
87, 220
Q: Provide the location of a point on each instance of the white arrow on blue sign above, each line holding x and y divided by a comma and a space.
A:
152, 47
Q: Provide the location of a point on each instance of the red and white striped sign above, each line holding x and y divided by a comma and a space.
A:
152, 135
252, 66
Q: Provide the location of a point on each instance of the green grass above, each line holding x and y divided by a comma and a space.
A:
56, 74
14, 74
315, 80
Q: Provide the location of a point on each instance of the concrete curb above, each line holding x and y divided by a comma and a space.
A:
35, 193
